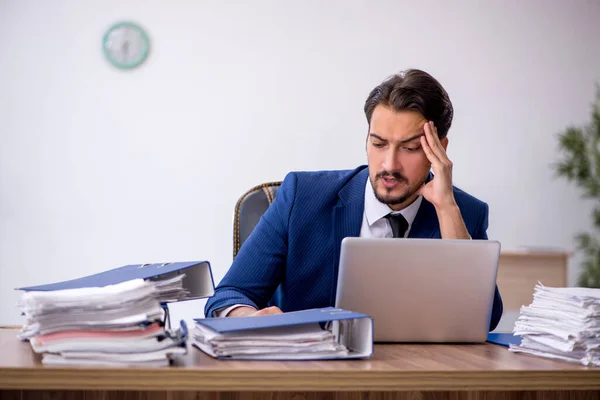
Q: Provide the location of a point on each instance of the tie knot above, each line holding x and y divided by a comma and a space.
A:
398, 223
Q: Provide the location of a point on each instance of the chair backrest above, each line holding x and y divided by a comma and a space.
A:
248, 211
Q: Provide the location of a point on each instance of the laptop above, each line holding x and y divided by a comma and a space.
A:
420, 290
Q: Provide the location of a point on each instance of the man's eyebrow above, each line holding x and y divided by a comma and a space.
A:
376, 136
410, 139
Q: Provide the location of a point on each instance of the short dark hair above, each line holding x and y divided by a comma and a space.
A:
414, 90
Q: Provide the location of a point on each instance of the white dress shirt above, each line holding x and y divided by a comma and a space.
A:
374, 225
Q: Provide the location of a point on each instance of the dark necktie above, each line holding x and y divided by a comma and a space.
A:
398, 223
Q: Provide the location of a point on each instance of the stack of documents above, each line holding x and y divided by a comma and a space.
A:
327, 333
561, 323
119, 324
170, 290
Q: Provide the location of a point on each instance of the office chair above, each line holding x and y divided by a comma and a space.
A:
248, 210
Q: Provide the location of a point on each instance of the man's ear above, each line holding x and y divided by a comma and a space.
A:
444, 143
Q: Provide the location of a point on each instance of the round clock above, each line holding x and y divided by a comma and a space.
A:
126, 45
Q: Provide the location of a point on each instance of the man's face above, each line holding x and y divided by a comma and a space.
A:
398, 166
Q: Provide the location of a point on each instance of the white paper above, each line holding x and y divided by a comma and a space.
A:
113, 325
561, 323
308, 341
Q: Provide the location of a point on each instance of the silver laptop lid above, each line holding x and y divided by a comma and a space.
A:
420, 290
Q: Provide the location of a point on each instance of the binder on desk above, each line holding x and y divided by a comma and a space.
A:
503, 339
316, 334
197, 281
111, 318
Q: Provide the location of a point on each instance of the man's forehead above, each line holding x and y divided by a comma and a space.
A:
398, 138
401, 125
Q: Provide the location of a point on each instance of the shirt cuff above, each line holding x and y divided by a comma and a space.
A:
223, 312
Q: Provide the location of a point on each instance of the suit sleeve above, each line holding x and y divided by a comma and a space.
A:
258, 268
481, 234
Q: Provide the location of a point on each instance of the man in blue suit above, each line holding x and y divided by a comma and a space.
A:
290, 261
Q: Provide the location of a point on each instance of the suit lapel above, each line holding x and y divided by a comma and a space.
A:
347, 217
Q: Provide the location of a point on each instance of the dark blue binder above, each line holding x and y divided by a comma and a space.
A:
198, 278
359, 340
504, 339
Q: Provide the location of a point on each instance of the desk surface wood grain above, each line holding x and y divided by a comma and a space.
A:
393, 367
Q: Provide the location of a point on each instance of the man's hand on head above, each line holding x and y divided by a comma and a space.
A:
438, 191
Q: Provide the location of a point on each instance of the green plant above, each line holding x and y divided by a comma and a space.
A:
580, 164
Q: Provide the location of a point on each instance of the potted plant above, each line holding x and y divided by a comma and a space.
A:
580, 164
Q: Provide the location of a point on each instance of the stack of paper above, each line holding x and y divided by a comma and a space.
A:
561, 323
297, 343
170, 290
118, 324
302, 335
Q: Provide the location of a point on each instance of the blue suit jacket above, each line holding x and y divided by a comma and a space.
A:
291, 258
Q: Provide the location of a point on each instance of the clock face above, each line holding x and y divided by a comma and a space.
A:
126, 45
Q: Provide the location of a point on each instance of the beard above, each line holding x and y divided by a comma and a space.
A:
390, 199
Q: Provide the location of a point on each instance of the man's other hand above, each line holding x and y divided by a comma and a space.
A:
252, 312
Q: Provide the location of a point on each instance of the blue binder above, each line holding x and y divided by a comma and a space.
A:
504, 339
198, 278
356, 334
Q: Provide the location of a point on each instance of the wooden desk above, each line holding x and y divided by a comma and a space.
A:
481, 371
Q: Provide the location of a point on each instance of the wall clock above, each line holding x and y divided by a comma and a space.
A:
126, 45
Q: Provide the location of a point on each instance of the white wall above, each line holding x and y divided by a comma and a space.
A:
100, 168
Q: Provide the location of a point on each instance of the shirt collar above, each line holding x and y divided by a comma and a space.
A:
375, 210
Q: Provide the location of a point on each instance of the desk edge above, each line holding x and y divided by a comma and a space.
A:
175, 379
